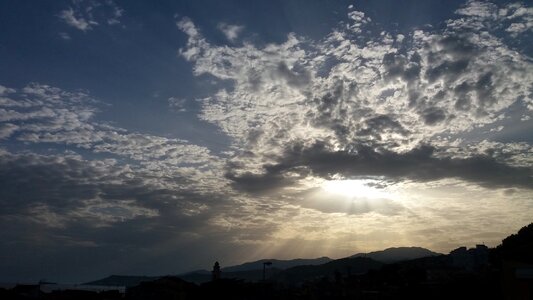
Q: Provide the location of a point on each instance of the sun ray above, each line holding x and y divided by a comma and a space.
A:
360, 188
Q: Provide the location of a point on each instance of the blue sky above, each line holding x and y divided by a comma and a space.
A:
154, 138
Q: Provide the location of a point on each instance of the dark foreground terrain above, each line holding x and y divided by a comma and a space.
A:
504, 272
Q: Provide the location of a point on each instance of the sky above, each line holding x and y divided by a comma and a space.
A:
155, 137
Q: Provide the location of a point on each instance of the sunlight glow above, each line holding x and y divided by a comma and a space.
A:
354, 188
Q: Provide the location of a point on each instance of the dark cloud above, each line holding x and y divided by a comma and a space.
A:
73, 189
450, 70
377, 125
433, 116
484, 88
269, 182
420, 164
463, 102
449, 59
136, 226
399, 66
298, 76
58, 182
82, 253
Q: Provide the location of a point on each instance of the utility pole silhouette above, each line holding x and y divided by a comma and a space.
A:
267, 263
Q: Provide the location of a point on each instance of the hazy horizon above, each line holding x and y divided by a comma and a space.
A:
209, 265
155, 138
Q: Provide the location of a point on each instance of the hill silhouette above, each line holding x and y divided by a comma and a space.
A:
392, 255
277, 263
122, 280
250, 275
288, 271
347, 266
517, 247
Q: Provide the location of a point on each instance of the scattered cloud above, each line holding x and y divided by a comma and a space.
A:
177, 104
230, 31
7, 129
365, 101
5, 90
85, 15
162, 189
516, 18
65, 36
79, 22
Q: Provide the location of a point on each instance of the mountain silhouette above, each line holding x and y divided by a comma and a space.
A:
392, 255
250, 275
289, 271
122, 280
253, 271
517, 247
292, 275
277, 263
344, 266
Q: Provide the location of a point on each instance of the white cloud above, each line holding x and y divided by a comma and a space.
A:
351, 92
116, 14
345, 91
515, 18
105, 213
400, 38
85, 15
358, 21
230, 31
516, 28
64, 35
5, 90
7, 129
187, 26
77, 22
481, 9
177, 104
45, 114
521, 17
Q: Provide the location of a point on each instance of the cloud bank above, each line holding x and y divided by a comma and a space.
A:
380, 104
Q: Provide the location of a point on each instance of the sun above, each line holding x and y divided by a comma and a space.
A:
353, 188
